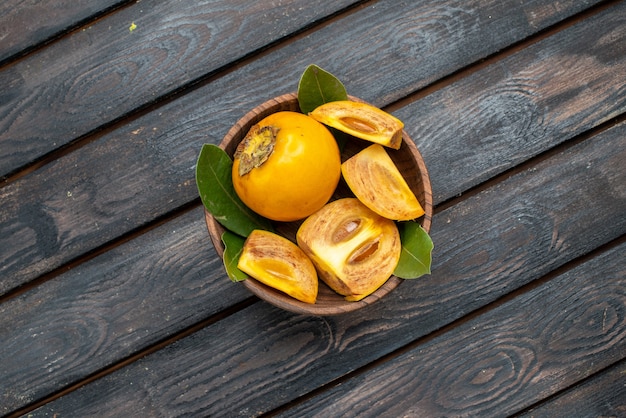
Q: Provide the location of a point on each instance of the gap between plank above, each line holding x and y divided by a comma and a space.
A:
193, 204
501, 54
81, 141
555, 395
73, 27
175, 94
228, 68
253, 299
455, 324
117, 123
101, 249
532, 161
136, 356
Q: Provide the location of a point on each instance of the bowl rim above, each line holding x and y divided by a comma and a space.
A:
273, 296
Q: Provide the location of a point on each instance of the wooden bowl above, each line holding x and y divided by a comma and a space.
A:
407, 158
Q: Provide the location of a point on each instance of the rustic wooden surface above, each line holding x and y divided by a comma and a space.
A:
114, 303
28, 25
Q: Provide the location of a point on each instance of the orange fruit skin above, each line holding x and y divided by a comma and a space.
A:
300, 175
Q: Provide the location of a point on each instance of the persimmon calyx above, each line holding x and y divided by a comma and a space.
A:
292, 166
376, 181
361, 120
279, 263
256, 147
354, 249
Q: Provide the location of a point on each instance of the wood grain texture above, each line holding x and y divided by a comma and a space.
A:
274, 356
99, 74
158, 57
603, 395
502, 361
110, 307
138, 172
526, 302
27, 23
520, 105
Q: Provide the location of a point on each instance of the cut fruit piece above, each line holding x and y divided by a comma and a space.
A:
354, 250
376, 181
361, 120
279, 263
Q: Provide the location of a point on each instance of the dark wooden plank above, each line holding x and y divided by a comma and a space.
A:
25, 24
270, 356
502, 361
65, 208
603, 395
520, 106
106, 71
110, 307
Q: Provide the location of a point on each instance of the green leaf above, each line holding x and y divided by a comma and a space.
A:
233, 245
215, 186
317, 87
416, 253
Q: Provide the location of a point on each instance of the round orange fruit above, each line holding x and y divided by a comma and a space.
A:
287, 167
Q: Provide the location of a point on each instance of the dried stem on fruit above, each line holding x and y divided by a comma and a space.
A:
256, 147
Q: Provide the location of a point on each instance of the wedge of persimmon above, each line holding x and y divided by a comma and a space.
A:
279, 263
376, 181
361, 120
354, 249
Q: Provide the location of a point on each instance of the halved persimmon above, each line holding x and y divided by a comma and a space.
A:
354, 249
376, 181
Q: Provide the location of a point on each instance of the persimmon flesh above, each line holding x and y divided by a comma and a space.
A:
279, 263
354, 249
361, 120
376, 181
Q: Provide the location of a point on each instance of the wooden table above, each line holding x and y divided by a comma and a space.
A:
114, 303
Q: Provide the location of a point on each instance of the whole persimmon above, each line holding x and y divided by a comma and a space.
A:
287, 166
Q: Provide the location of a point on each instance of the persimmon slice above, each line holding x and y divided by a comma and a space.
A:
361, 120
279, 263
354, 249
376, 181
